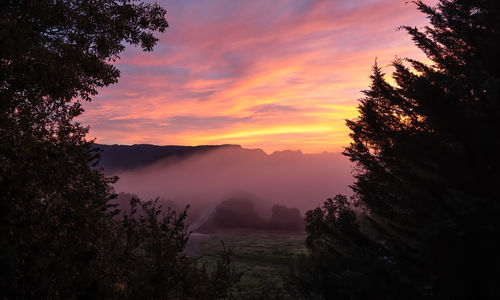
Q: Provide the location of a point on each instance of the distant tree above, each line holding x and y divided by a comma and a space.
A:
427, 166
237, 213
285, 218
58, 237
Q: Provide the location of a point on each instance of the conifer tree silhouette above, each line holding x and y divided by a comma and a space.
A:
426, 156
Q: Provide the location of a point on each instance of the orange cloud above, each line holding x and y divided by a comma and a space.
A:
269, 74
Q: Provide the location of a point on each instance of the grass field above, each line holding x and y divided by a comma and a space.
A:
262, 256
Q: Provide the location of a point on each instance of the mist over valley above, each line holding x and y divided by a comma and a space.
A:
205, 176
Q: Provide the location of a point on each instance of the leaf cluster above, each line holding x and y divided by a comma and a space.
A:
61, 235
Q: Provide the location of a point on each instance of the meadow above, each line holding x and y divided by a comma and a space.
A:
264, 257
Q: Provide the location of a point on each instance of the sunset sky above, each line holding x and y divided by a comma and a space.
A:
274, 75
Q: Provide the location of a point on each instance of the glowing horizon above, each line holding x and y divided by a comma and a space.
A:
272, 75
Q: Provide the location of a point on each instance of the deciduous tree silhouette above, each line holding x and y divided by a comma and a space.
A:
285, 218
58, 238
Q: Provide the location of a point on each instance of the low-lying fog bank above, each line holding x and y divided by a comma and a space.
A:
287, 178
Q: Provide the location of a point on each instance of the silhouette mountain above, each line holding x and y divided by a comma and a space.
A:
117, 158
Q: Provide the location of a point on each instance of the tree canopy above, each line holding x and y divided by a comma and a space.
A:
61, 235
426, 157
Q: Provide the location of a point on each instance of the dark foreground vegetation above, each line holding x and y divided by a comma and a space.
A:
425, 218
61, 237
423, 223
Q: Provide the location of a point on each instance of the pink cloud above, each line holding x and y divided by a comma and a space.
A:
220, 60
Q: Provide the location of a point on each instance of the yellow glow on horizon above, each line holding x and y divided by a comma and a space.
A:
270, 131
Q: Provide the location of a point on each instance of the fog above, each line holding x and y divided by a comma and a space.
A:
287, 178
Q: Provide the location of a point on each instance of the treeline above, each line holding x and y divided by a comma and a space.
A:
230, 214
241, 213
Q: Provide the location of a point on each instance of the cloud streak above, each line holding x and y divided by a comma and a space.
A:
270, 74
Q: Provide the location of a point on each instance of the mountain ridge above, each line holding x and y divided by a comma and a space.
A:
117, 158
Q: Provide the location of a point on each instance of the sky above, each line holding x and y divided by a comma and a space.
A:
275, 75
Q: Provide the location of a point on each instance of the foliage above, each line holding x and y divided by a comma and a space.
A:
237, 213
343, 262
285, 218
151, 241
427, 167
60, 236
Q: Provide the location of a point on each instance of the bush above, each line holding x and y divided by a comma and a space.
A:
237, 213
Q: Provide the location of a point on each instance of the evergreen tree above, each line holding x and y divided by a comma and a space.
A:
427, 166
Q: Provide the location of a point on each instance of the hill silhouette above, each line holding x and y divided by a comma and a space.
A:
118, 158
